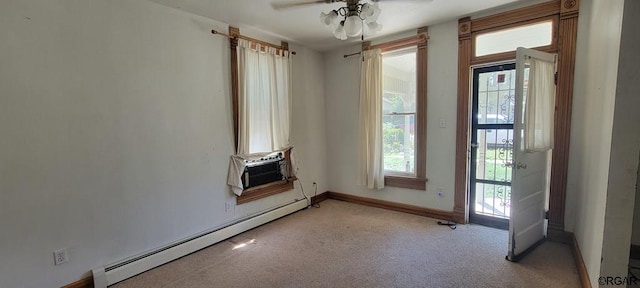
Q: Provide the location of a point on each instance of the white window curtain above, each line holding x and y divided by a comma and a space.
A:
539, 106
264, 98
370, 165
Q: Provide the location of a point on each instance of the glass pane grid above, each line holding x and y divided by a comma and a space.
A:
494, 138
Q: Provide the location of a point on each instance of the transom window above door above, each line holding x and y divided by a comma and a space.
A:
497, 44
534, 35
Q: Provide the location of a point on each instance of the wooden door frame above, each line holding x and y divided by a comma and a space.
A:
565, 34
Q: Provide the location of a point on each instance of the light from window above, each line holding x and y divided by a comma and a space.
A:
399, 112
529, 36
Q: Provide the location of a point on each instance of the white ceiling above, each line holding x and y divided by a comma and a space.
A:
302, 24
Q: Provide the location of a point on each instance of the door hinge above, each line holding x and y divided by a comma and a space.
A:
555, 78
546, 214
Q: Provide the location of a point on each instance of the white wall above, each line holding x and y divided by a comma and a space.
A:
342, 91
625, 150
592, 121
309, 125
116, 130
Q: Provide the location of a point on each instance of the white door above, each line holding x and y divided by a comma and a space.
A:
527, 225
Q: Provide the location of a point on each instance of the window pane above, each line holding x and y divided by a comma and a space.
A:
399, 111
399, 82
398, 143
530, 36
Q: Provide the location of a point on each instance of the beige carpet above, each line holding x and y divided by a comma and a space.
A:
348, 245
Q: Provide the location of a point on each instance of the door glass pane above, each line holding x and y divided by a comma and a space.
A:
525, 89
493, 200
529, 36
496, 94
494, 154
492, 144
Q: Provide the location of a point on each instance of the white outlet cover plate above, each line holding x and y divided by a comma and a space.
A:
60, 256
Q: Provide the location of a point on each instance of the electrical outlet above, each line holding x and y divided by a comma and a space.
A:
228, 207
60, 256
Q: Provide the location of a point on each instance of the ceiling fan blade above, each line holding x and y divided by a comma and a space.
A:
283, 5
400, 0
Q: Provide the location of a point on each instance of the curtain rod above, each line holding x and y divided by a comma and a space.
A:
352, 54
252, 40
396, 44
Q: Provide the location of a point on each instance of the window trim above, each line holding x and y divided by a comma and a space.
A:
419, 181
269, 189
265, 190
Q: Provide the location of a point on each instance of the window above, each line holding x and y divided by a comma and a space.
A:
260, 76
529, 36
499, 43
403, 113
263, 99
399, 112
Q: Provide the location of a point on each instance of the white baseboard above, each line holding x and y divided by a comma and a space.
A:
109, 275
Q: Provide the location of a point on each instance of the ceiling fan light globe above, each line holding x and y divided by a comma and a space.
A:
340, 33
376, 8
353, 26
324, 18
329, 19
367, 11
375, 13
374, 27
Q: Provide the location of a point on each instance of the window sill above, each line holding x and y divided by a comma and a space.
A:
406, 182
265, 190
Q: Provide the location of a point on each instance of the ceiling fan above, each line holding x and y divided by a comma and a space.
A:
356, 18
290, 4
352, 20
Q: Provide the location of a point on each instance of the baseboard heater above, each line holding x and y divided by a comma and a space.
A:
114, 273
